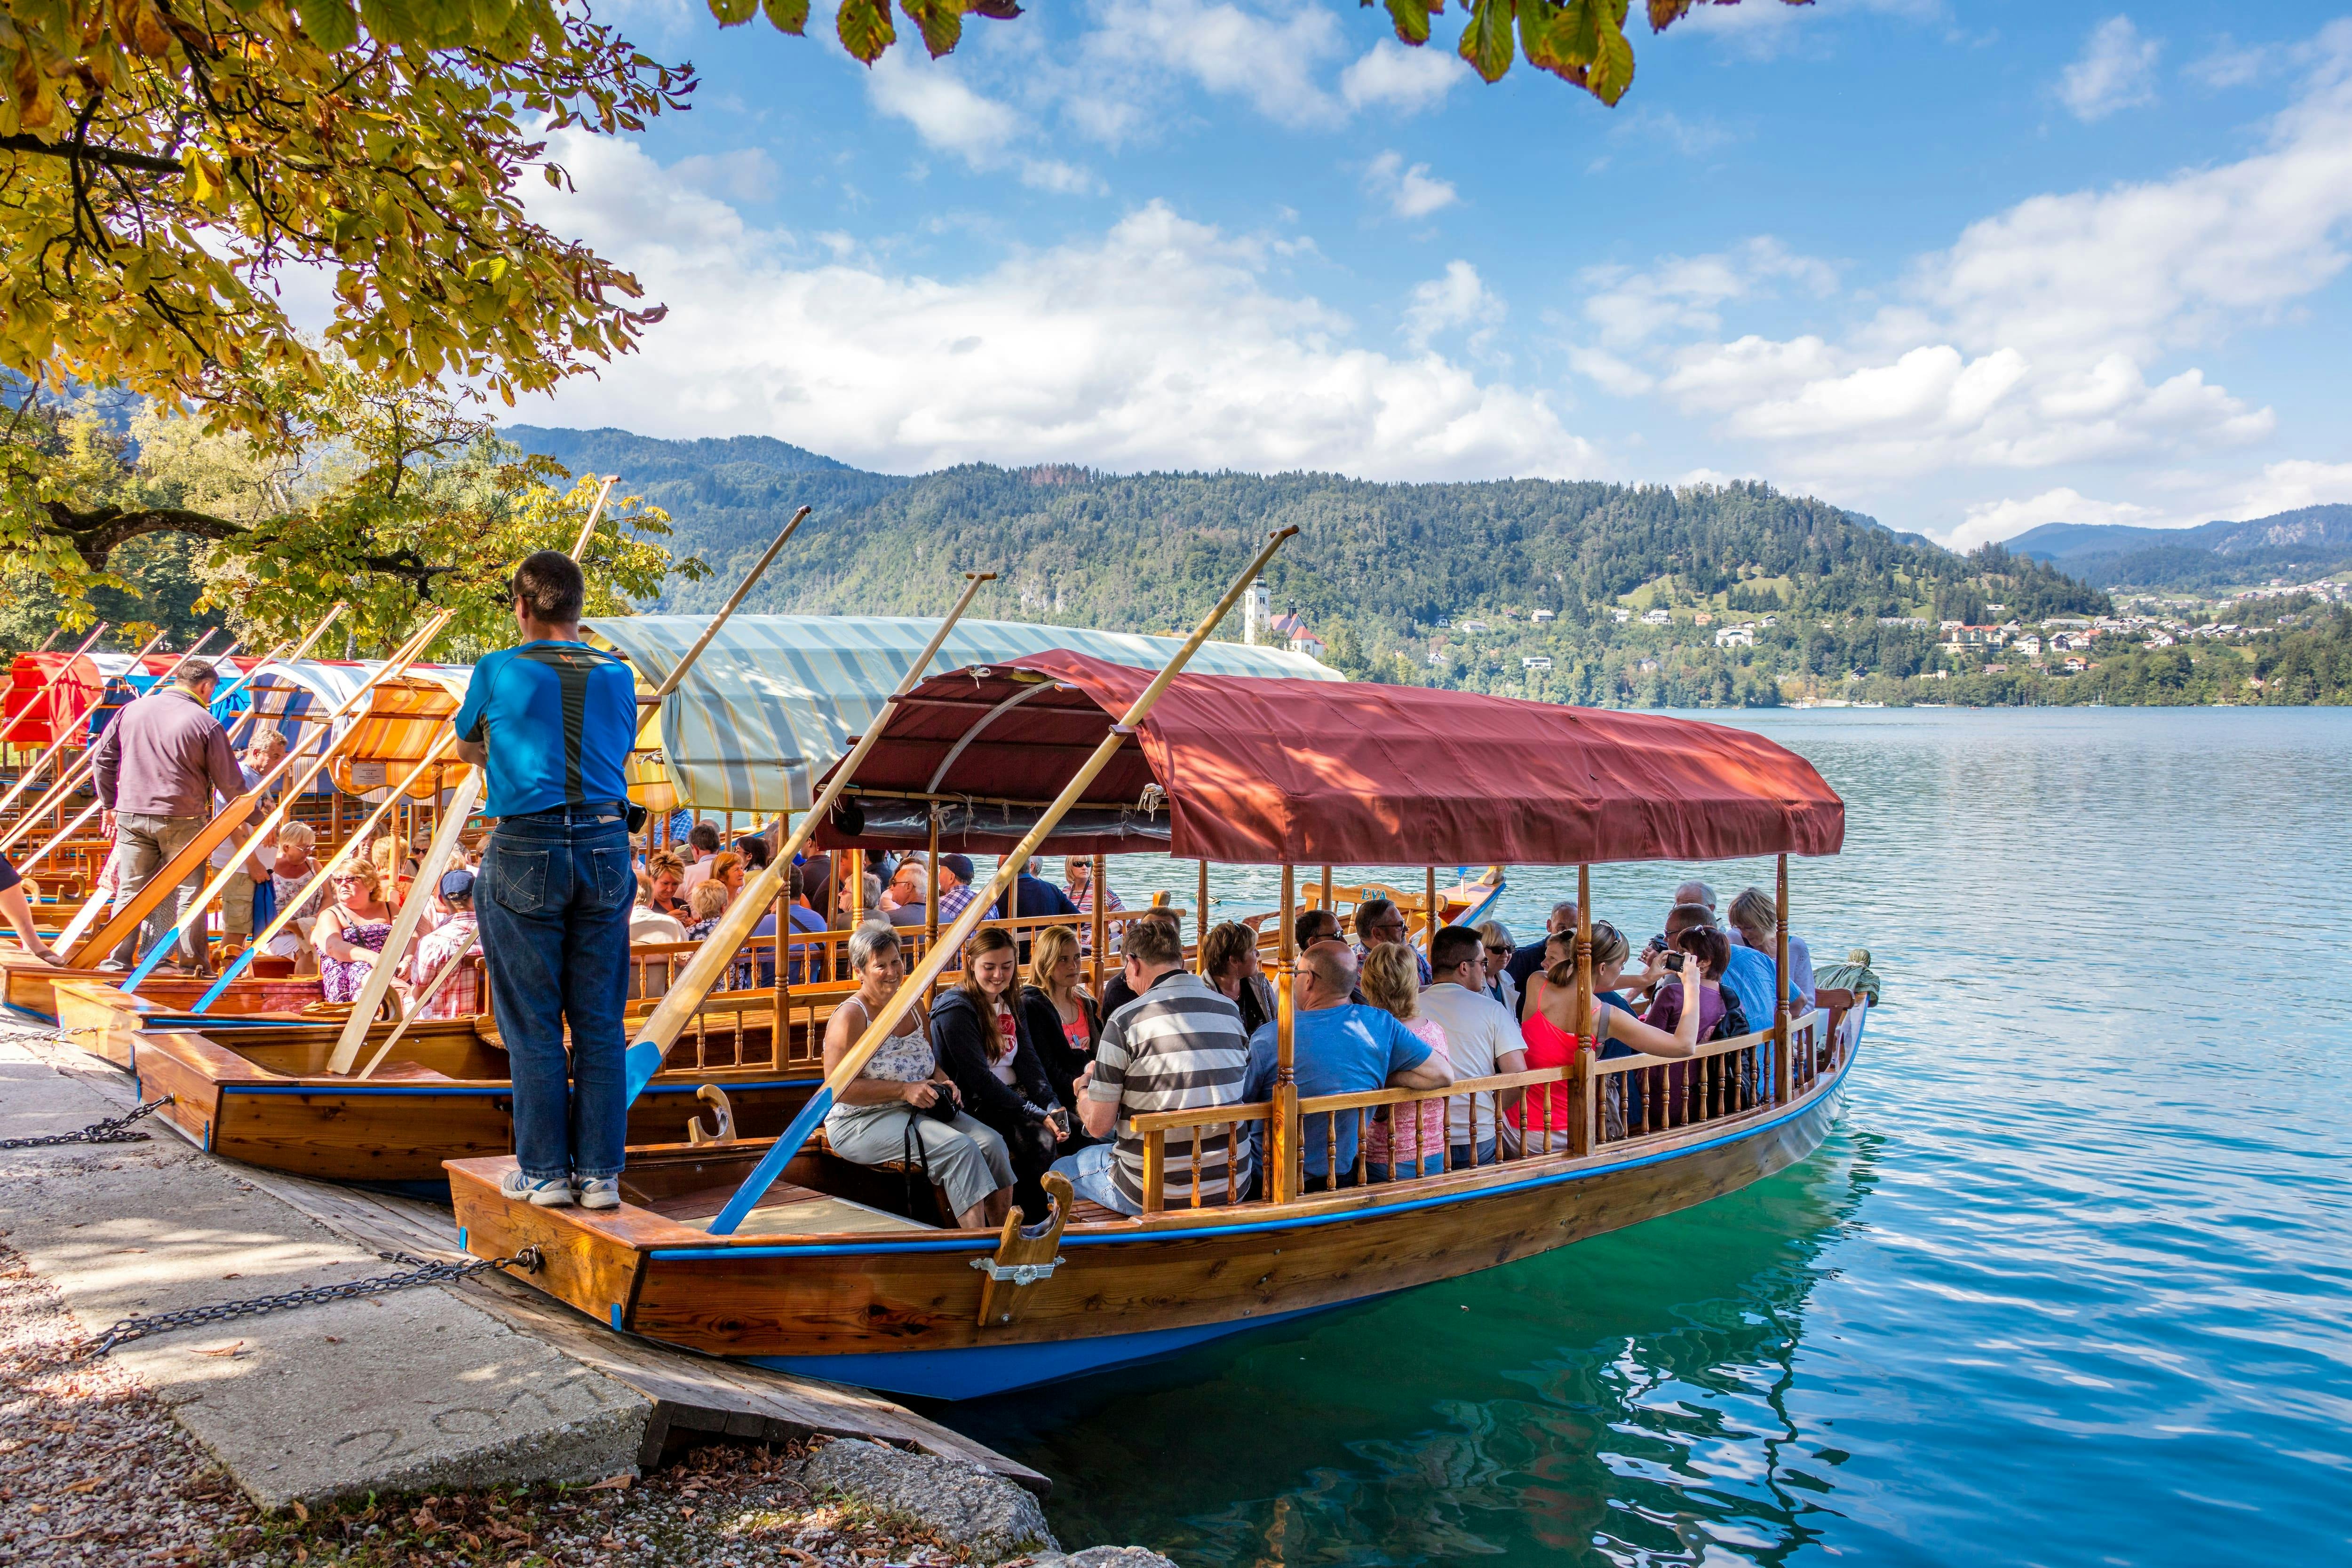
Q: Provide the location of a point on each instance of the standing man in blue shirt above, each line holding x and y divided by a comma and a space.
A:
553, 720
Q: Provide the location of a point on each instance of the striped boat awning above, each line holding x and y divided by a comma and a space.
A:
774, 701
396, 726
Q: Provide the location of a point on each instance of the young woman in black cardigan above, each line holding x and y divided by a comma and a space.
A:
986, 1047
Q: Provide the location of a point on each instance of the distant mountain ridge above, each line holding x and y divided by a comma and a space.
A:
2307, 542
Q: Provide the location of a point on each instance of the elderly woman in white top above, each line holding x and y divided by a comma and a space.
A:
887, 1113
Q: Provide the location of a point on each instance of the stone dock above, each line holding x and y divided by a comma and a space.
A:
464, 1385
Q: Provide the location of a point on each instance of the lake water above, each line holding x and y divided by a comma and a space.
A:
2071, 1283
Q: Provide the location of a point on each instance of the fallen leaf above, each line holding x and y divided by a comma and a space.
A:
77, 1535
235, 1348
611, 1483
36, 1508
301, 1512
473, 1543
332, 1340
232, 1276
87, 1486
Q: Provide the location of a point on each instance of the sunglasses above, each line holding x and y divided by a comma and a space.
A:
1502, 951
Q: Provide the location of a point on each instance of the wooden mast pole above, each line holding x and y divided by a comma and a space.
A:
852, 1061
931, 893
588, 528
712, 959
1580, 1107
1200, 921
1282, 1119
1783, 1074
1099, 915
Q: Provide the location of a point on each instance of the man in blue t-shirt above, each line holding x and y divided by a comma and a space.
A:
553, 721
1338, 1047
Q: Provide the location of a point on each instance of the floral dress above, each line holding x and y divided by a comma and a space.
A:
341, 979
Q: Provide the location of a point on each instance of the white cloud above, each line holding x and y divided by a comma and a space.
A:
1411, 193
1391, 76
1458, 297
1610, 374
1271, 62
2227, 63
2038, 338
1158, 343
950, 116
746, 174
2116, 70
2283, 486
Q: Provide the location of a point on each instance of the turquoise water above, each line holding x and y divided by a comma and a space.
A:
2070, 1285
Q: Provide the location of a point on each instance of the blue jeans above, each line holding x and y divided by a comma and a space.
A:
1089, 1174
553, 901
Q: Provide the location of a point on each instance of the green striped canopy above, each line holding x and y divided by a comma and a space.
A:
773, 702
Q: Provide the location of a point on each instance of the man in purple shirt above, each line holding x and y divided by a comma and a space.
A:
157, 767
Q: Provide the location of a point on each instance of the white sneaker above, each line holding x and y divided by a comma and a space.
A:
555, 1194
599, 1192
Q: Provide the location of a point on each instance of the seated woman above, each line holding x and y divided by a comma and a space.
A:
1549, 1029
1064, 1023
1408, 1140
1500, 945
352, 932
291, 875
756, 852
727, 870
710, 902
663, 873
884, 1113
1229, 959
985, 1047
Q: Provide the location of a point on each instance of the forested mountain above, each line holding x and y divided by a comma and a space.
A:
2299, 545
1454, 584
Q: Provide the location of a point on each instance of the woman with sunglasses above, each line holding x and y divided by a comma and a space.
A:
1495, 938
352, 931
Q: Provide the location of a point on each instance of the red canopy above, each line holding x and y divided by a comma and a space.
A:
1234, 768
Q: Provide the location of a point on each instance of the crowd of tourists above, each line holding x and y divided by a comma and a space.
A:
1024, 1070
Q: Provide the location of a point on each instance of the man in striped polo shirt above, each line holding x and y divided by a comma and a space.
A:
1179, 1046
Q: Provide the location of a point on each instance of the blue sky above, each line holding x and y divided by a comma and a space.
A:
1967, 268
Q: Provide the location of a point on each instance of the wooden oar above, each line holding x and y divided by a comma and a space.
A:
199, 849
686, 993
403, 925
72, 777
588, 528
950, 941
677, 672
58, 743
343, 852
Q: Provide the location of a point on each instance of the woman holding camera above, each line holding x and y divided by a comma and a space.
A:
1550, 1027
984, 1045
903, 1105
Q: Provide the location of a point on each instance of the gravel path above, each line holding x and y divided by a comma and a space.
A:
93, 1470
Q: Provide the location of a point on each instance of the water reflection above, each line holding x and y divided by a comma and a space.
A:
1623, 1400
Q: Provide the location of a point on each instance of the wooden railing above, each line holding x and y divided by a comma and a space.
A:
1560, 1111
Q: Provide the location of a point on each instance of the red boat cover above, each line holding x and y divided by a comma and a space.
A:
1310, 773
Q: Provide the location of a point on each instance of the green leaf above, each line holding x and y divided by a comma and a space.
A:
1612, 63
1486, 42
1539, 23
392, 21
940, 21
734, 13
788, 16
331, 24
1411, 19
865, 28
1664, 13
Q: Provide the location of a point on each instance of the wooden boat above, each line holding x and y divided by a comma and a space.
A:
781, 1252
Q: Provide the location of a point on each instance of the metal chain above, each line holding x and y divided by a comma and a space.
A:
106, 1132
426, 1273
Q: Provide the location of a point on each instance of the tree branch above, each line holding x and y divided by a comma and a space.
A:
95, 534
83, 153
